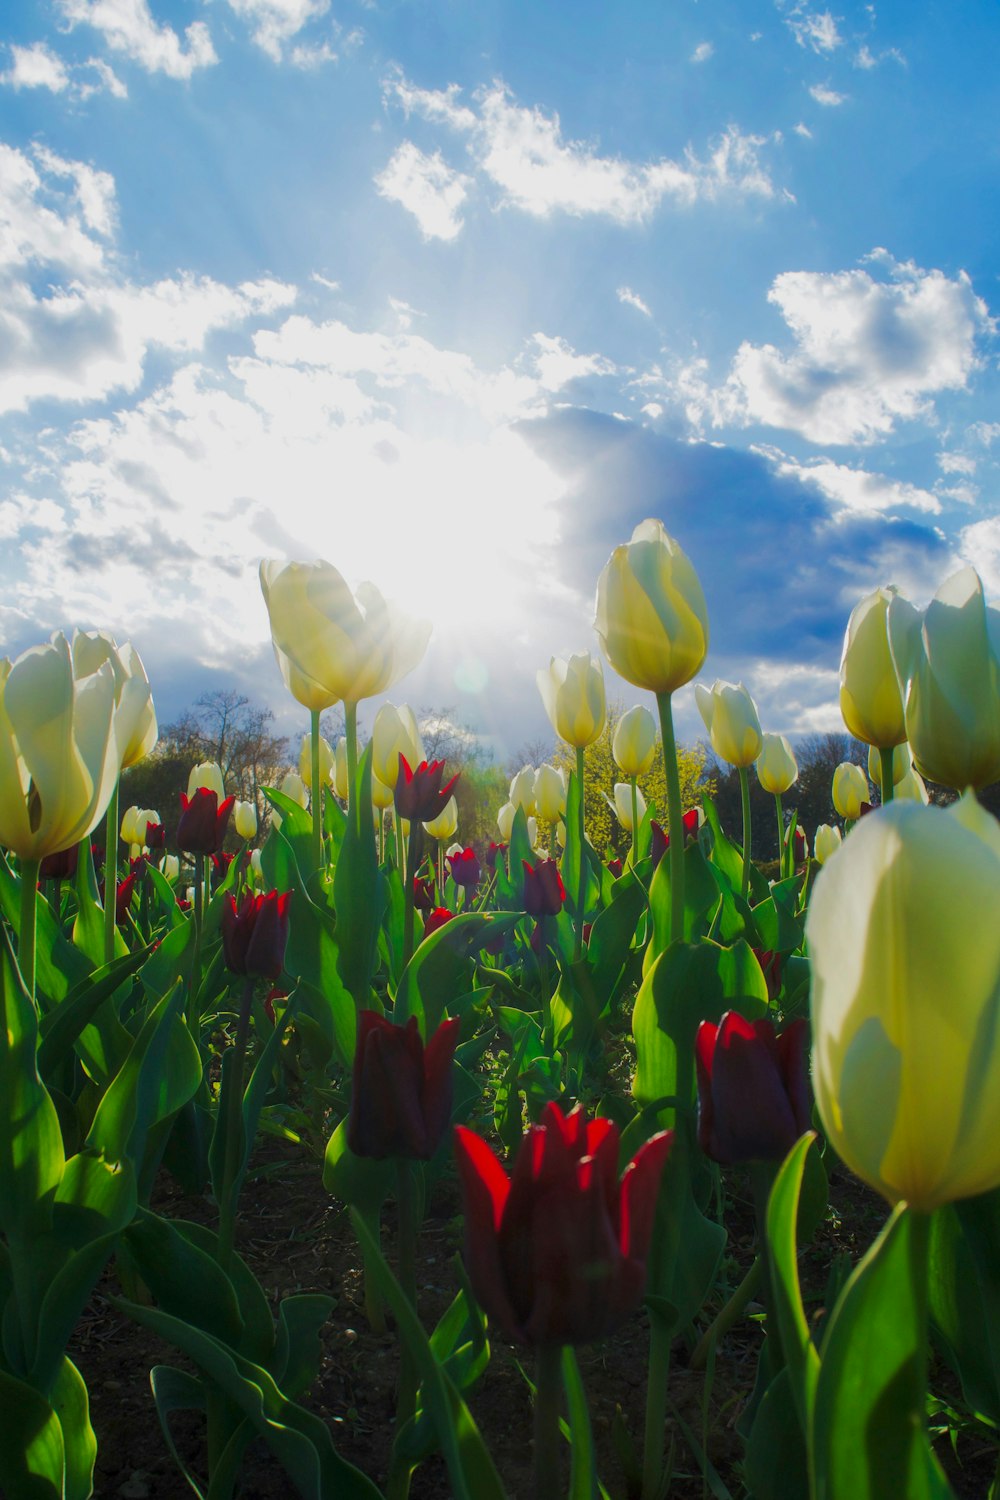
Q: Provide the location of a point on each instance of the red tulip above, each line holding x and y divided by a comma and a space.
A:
423, 893
419, 795
753, 1089
61, 866
690, 822
255, 934
437, 918
557, 1253
615, 866
544, 892
402, 1090
464, 867
770, 964
123, 895
492, 852
203, 822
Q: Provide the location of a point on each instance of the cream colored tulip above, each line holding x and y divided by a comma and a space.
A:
550, 794
634, 743
395, 733
827, 841
900, 764
505, 821
208, 775
850, 790
245, 819
135, 717
652, 622
730, 716
339, 776
293, 786
382, 795
911, 788
325, 760
445, 825
330, 644
522, 790
870, 700
133, 825
59, 754
573, 694
905, 952
777, 768
621, 804
170, 867
256, 867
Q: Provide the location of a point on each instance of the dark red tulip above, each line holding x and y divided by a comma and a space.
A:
437, 918
61, 866
691, 822
798, 846
255, 934
220, 866
464, 868
423, 893
865, 809
156, 836
203, 822
491, 854
557, 1252
770, 964
544, 892
123, 895
402, 1090
615, 866
419, 795
753, 1089
269, 1000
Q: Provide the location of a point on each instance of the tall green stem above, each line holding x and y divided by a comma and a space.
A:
316, 791
582, 834
635, 818
29, 913
351, 736
782, 861
888, 786
548, 1387
745, 798
110, 874
231, 1113
675, 816
193, 1015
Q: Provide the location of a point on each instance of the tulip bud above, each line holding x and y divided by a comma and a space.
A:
651, 617
402, 1090
255, 934
777, 768
900, 764
850, 790
436, 919
395, 733
505, 821
294, 787
209, 775
325, 760
445, 825
245, 819
573, 694
544, 892
560, 834
800, 846
550, 794
256, 867
61, 865
753, 1089
634, 742
827, 841
621, 806
170, 867
203, 822
423, 893
382, 795
906, 1051
522, 790
532, 832
911, 788
730, 716
464, 867
419, 793
869, 691
130, 830
339, 776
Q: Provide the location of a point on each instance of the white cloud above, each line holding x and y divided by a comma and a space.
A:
632, 299
557, 363
826, 96
856, 489
427, 188
956, 463
702, 52
36, 67
803, 131
523, 153
866, 59
129, 27
94, 191
309, 57
979, 545
275, 22
816, 30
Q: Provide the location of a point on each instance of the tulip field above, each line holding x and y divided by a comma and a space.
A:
364, 1161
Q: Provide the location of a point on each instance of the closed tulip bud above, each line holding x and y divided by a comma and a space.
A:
203, 822
622, 804
325, 760
947, 659
245, 819
423, 893
532, 831
445, 825
522, 790
900, 764
207, 774
156, 834
436, 919
870, 699
753, 1088
402, 1090
573, 694
557, 1253
330, 644
505, 821
850, 790
911, 788
800, 846
61, 865
294, 787
256, 867
634, 743
382, 795
130, 831
550, 794
395, 733
544, 892
170, 867
135, 717
255, 934
827, 841
730, 716
777, 768
561, 834
421, 793
464, 867
339, 777
906, 1052
651, 617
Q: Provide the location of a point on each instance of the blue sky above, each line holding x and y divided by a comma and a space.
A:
453, 295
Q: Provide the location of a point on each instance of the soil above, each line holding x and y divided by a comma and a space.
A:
296, 1239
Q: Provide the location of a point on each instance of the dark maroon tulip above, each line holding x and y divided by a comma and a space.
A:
464, 868
544, 892
402, 1090
753, 1089
156, 836
419, 795
220, 866
123, 895
61, 866
798, 846
491, 854
255, 934
770, 964
865, 809
437, 918
691, 822
557, 1252
423, 893
203, 822
615, 866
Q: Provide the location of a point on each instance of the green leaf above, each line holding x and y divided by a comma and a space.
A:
61, 1026
440, 970
357, 890
185, 1280
170, 962
58, 965
965, 1296
701, 895
88, 926
176, 1390
582, 1473
612, 934
72, 1407
776, 1463
32, 1451
31, 1149
298, 1352
783, 1207
358, 1180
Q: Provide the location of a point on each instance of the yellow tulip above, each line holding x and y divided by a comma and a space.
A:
634, 743
330, 644
209, 776
522, 790
59, 753
850, 789
505, 821
730, 716
245, 819
905, 950
382, 796
550, 794
395, 733
445, 825
900, 764
870, 700
947, 659
651, 621
621, 806
573, 694
135, 717
827, 841
338, 776
777, 768
325, 760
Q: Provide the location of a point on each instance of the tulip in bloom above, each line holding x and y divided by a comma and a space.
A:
690, 822
651, 617
255, 934
423, 893
330, 644
550, 794
245, 819
901, 763
800, 846
947, 659
505, 821
382, 796
870, 699
492, 852
395, 733
419, 794
402, 1090
557, 1253
753, 1089
207, 774
437, 919
777, 768
522, 791
730, 716
622, 804
203, 822
850, 790
464, 867
445, 825
135, 822
170, 867
906, 1045
827, 841
573, 694
338, 776
135, 717
544, 892
325, 760
634, 743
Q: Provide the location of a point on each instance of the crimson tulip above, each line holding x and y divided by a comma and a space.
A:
753, 1089
615, 867
423, 892
255, 934
544, 892
557, 1252
437, 918
492, 852
464, 868
419, 795
203, 821
770, 963
60, 866
402, 1090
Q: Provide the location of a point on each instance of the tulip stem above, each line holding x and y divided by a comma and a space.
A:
231, 1120
582, 891
548, 1389
316, 790
745, 798
29, 914
782, 852
888, 785
397, 828
675, 817
635, 818
730, 1314
351, 736
110, 874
